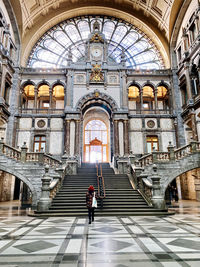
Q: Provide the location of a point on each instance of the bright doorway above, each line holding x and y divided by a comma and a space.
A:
95, 141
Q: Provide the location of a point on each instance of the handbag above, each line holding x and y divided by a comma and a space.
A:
94, 201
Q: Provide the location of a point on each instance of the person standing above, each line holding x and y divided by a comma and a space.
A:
89, 196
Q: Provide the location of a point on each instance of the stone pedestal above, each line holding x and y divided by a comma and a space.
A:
45, 200
123, 166
157, 198
71, 167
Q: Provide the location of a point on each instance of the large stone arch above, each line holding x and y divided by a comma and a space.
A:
169, 171
25, 180
96, 97
34, 33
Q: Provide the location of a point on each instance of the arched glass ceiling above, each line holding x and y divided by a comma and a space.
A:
51, 50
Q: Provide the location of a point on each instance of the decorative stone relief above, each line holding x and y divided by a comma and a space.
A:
101, 97
80, 79
41, 123
113, 79
151, 124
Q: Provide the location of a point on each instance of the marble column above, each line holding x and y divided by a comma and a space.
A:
50, 97
156, 99
194, 126
116, 138
126, 137
141, 99
188, 81
67, 137
77, 137
35, 97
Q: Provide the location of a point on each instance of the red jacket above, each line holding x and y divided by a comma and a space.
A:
89, 200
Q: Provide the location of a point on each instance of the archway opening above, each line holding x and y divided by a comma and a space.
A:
96, 136
184, 187
14, 190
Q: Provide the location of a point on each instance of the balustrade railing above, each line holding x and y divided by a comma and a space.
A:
11, 152
100, 183
172, 154
24, 156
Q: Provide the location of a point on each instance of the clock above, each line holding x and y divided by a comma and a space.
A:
96, 52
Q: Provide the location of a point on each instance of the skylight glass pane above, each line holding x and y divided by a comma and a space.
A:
53, 47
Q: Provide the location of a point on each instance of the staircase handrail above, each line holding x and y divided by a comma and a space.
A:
11, 152
100, 183
51, 160
161, 156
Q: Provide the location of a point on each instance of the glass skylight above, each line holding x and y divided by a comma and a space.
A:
51, 50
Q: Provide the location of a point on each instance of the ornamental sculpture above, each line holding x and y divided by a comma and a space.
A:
97, 74
96, 38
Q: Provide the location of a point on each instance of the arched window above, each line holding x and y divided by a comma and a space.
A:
52, 49
58, 97
163, 97
43, 96
7, 92
148, 98
28, 96
133, 93
134, 98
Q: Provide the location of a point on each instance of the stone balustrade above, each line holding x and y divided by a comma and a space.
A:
24, 156
172, 154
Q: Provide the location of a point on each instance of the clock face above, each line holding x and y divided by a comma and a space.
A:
96, 52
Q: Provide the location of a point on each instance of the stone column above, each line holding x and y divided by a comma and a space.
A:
156, 99
77, 137
194, 126
141, 99
121, 137
116, 138
67, 137
50, 97
35, 97
124, 89
126, 137
188, 81
45, 200
157, 199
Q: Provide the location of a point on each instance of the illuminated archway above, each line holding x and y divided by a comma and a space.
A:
95, 141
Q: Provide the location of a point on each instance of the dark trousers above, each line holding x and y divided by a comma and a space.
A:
91, 214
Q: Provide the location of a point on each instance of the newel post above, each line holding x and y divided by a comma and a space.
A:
170, 149
24, 149
45, 200
1, 144
157, 199
193, 145
41, 155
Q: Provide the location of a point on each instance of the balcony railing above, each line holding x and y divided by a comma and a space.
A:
42, 111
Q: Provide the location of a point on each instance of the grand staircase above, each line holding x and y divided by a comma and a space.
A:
121, 198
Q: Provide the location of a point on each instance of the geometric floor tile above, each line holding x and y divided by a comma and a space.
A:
112, 245
50, 230
3, 231
163, 229
35, 246
59, 221
185, 243
107, 229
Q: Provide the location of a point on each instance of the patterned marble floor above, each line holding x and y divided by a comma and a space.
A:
123, 241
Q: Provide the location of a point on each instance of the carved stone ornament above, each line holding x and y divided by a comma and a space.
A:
151, 124
96, 38
96, 75
41, 123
